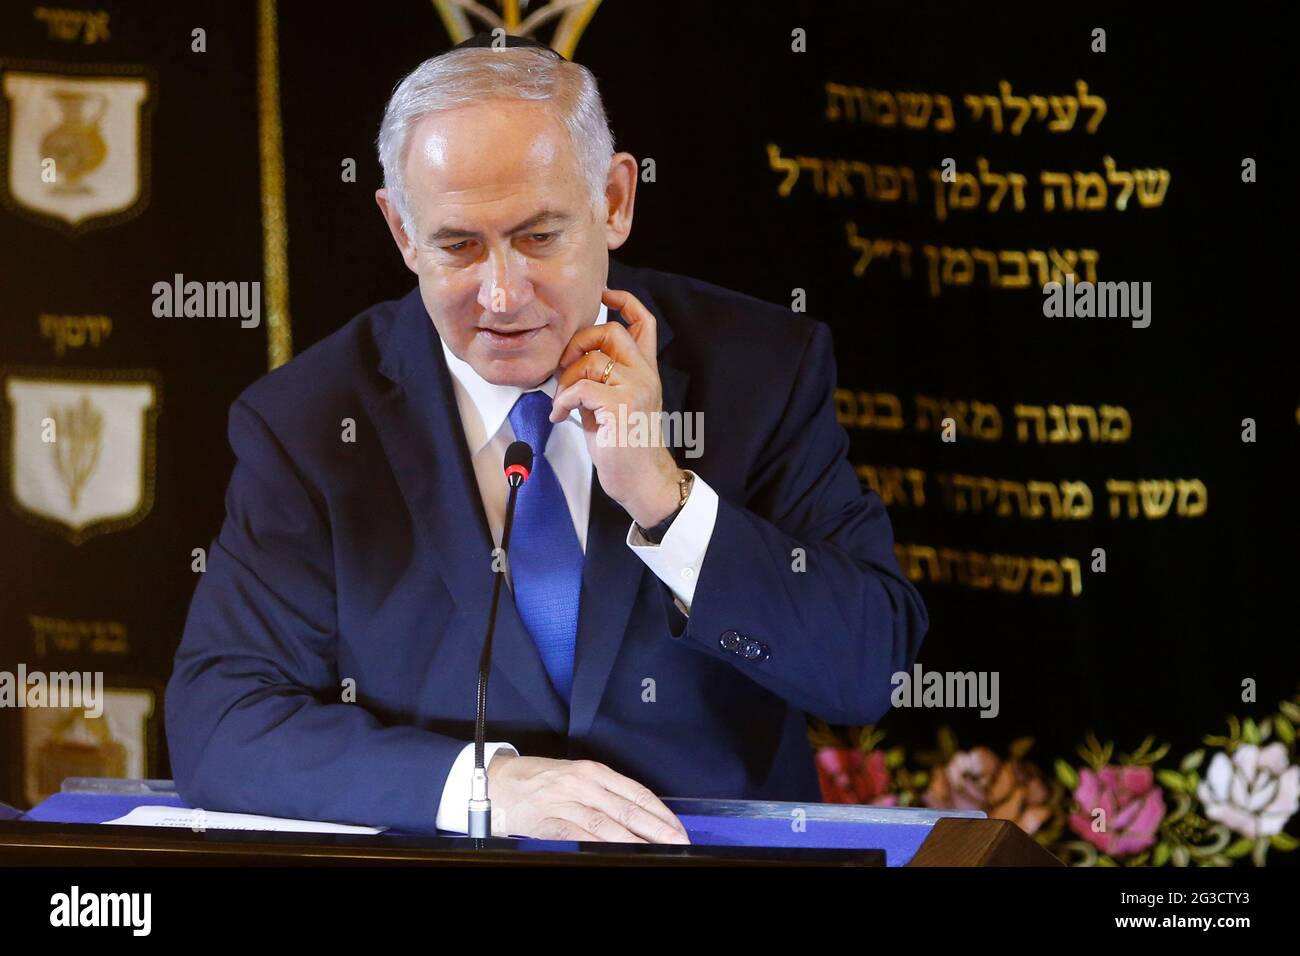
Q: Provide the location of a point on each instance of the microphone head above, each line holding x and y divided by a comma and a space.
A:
519, 462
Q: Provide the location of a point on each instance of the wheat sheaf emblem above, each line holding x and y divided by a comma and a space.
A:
78, 434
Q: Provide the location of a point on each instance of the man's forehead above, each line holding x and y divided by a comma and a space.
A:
495, 132
474, 172
480, 163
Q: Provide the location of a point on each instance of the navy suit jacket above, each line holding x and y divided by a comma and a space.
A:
367, 565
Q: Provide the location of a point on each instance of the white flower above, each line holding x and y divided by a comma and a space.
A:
1254, 792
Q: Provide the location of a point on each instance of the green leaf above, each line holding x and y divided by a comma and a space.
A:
1291, 710
1173, 780
1021, 746
1090, 752
1285, 730
1161, 855
1260, 852
869, 738
1250, 731
947, 742
1066, 774
1239, 848
1157, 755
1192, 761
1285, 842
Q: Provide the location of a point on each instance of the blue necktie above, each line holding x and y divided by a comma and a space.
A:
545, 556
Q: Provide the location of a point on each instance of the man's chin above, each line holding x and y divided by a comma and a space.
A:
519, 371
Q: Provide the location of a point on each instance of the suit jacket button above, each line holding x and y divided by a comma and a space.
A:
730, 641
756, 651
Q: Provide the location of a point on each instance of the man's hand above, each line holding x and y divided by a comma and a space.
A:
642, 478
575, 800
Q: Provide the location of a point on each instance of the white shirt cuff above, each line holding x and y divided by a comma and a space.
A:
676, 560
453, 807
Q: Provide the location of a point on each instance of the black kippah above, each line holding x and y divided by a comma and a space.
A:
486, 40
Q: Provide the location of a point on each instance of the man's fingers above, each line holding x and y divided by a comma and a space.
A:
608, 337
592, 366
578, 820
560, 828
583, 393
597, 821
638, 794
640, 322
639, 819
586, 800
634, 812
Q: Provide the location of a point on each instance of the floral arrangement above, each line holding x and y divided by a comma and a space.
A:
1220, 804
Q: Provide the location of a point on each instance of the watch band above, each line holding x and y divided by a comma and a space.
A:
655, 533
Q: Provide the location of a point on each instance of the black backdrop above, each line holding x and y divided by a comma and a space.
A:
1189, 606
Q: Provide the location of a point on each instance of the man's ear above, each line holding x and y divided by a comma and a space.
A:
404, 244
620, 197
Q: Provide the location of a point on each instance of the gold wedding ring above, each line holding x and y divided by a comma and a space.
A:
604, 377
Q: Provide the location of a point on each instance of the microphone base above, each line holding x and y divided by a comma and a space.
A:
480, 819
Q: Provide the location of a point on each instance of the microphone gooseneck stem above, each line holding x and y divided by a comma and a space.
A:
480, 806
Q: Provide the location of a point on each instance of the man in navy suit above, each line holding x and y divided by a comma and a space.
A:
665, 629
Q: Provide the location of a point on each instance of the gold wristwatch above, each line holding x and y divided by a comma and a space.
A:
655, 533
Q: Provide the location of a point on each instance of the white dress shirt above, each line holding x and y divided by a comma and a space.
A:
484, 410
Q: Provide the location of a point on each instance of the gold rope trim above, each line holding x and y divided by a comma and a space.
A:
275, 229
571, 28
573, 17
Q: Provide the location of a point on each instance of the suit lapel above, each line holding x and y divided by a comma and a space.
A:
612, 573
420, 429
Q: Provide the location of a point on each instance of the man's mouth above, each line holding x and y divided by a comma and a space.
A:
508, 339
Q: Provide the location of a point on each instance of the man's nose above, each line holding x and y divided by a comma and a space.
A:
504, 286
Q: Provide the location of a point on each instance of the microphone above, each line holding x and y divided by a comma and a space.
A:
518, 466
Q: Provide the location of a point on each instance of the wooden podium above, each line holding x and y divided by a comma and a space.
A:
957, 842
71, 829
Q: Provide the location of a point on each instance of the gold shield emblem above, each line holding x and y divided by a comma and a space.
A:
80, 450
61, 742
76, 148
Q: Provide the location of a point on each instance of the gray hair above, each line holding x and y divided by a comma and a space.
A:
470, 75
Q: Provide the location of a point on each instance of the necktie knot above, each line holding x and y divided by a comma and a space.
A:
531, 420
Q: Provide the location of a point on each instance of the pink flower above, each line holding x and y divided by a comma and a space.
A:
847, 775
1132, 803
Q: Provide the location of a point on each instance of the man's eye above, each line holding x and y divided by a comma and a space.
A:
456, 247
542, 237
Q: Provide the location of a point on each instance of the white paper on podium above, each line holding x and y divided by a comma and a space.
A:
210, 820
